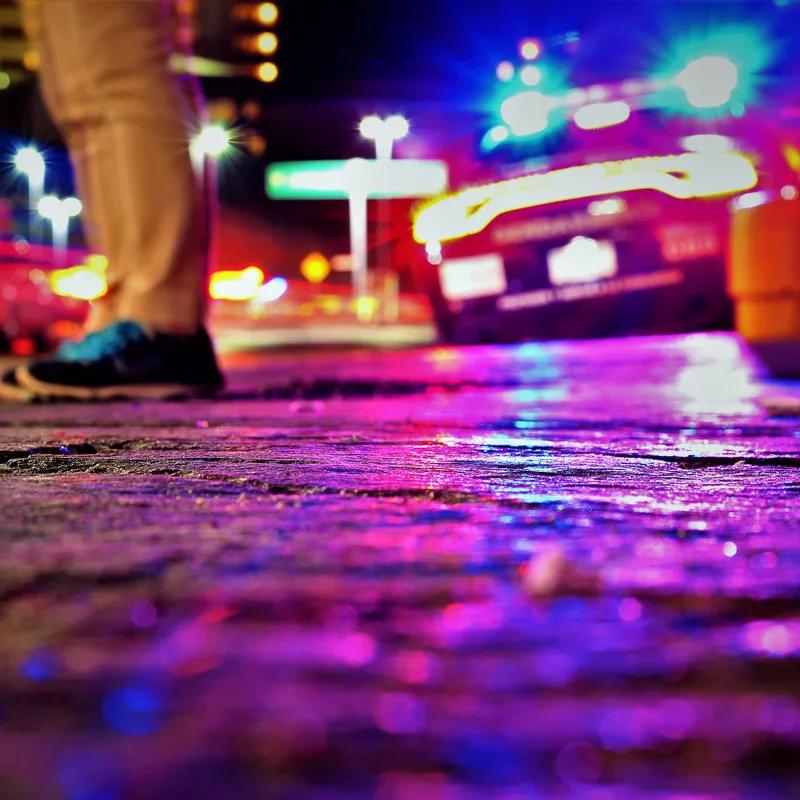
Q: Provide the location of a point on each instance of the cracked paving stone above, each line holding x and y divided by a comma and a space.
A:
253, 598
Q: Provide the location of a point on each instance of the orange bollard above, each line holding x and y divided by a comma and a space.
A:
764, 281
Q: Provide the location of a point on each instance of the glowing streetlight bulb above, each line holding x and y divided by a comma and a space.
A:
30, 162
384, 132
213, 140
49, 206
397, 127
371, 127
71, 206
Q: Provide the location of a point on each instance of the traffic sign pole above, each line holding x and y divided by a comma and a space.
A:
356, 180
358, 245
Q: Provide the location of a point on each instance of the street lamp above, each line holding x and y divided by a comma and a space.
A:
384, 132
59, 212
30, 163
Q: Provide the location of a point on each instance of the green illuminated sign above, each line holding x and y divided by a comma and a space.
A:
338, 180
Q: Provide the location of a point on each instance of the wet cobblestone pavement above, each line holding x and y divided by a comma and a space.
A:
549, 571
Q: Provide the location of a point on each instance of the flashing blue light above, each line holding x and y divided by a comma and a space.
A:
527, 113
717, 71
709, 81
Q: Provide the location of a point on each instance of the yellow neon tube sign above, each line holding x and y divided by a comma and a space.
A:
682, 176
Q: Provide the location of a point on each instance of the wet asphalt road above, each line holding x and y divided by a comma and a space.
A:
549, 571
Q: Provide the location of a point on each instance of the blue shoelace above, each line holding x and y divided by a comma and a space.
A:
101, 344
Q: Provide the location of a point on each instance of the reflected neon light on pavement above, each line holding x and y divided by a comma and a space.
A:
682, 176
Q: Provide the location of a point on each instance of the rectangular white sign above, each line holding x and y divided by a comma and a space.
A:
468, 278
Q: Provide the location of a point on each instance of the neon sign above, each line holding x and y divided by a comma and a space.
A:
681, 176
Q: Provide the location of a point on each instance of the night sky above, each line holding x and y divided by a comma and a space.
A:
341, 59
331, 46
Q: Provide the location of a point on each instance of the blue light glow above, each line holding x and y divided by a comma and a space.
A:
715, 70
134, 711
527, 113
709, 81
41, 665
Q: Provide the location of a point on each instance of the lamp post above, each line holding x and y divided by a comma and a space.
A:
384, 132
59, 212
207, 148
30, 163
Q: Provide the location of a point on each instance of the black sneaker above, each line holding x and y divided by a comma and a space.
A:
126, 361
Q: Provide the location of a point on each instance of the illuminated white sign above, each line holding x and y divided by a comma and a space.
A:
581, 261
336, 180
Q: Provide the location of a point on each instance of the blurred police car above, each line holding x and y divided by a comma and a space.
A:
602, 209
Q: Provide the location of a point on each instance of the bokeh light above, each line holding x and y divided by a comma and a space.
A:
135, 711
709, 81
505, 71
236, 284
272, 290
530, 49
31, 162
267, 13
267, 72
267, 43
315, 267
530, 75
213, 140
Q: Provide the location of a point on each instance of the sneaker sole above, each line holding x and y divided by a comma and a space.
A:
149, 391
15, 394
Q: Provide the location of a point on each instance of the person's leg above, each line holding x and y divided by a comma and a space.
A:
107, 84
